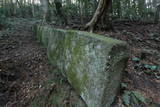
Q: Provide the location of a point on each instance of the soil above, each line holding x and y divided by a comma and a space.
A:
24, 65
144, 43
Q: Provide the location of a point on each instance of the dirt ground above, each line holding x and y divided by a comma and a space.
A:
143, 70
24, 65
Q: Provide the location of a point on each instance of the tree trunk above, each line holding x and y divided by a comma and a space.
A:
157, 14
95, 5
101, 9
60, 12
106, 22
81, 12
119, 9
45, 4
141, 7
33, 9
155, 3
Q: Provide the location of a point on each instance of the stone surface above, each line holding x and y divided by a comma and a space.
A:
93, 64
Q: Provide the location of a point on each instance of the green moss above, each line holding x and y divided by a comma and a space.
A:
99, 37
77, 55
82, 33
47, 32
57, 53
69, 49
39, 33
77, 83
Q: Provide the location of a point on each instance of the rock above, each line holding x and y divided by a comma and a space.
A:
93, 64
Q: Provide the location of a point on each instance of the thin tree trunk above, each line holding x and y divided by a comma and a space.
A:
119, 9
81, 12
33, 10
60, 12
157, 14
101, 9
45, 4
106, 22
95, 5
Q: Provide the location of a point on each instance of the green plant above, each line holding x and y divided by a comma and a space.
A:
132, 97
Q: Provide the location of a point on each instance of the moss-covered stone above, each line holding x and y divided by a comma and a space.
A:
93, 64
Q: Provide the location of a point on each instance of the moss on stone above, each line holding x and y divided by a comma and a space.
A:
55, 50
72, 50
99, 37
77, 54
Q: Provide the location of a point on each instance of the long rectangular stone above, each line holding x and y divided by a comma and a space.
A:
93, 64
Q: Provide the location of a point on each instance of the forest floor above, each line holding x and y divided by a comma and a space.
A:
24, 65
143, 71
